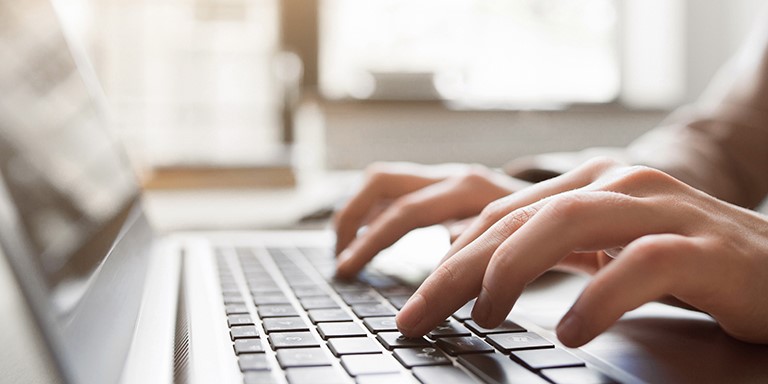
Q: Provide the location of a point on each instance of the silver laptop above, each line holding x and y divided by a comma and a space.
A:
90, 294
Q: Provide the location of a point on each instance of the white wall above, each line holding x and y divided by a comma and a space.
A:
359, 133
714, 31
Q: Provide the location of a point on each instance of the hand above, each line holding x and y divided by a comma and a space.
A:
399, 197
673, 240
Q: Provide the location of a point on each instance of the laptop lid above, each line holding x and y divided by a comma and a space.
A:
67, 196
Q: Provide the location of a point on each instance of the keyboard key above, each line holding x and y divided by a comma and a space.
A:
234, 299
461, 345
520, 340
465, 312
341, 329
276, 310
328, 315
315, 375
442, 374
260, 288
243, 332
230, 287
448, 329
349, 286
253, 362
292, 340
398, 301
283, 324
235, 309
380, 324
372, 310
498, 368
386, 378
392, 340
505, 327
376, 279
258, 377
259, 279
248, 346
318, 302
226, 295
576, 375
547, 358
302, 357
369, 364
414, 357
233, 320
266, 299
309, 291
361, 297
397, 290
353, 346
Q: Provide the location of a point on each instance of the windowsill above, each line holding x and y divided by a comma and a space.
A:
447, 105
359, 132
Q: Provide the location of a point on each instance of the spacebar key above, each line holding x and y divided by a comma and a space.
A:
498, 368
442, 374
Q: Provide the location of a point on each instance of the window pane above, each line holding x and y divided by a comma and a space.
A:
481, 51
189, 80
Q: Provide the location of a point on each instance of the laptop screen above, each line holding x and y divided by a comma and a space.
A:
64, 173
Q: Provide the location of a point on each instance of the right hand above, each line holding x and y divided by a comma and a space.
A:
398, 197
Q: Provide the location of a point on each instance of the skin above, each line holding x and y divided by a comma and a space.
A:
666, 240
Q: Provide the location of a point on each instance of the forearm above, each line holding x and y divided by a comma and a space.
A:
719, 145
722, 153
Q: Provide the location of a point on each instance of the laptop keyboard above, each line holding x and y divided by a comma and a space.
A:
295, 324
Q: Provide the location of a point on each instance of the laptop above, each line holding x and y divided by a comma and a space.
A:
91, 294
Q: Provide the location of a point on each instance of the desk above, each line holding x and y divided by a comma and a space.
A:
214, 209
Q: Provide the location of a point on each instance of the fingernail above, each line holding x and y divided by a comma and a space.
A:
570, 331
482, 309
341, 264
411, 314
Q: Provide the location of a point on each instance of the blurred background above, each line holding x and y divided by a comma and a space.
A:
337, 84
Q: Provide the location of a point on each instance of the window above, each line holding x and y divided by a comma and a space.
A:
476, 52
188, 80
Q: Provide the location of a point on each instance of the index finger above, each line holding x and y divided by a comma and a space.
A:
455, 281
379, 186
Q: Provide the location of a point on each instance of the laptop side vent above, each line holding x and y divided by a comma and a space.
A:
181, 342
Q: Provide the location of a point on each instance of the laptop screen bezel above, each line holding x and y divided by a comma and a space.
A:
89, 344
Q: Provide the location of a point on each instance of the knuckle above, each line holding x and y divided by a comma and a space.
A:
405, 206
513, 221
569, 204
446, 273
653, 253
375, 172
476, 174
600, 164
643, 175
376, 168
494, 211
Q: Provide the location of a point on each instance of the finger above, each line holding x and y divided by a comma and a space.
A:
578, 178
456, 228
378, 187
455, 281
583, 262
571, 222
431, 205
450, 286
647, 270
